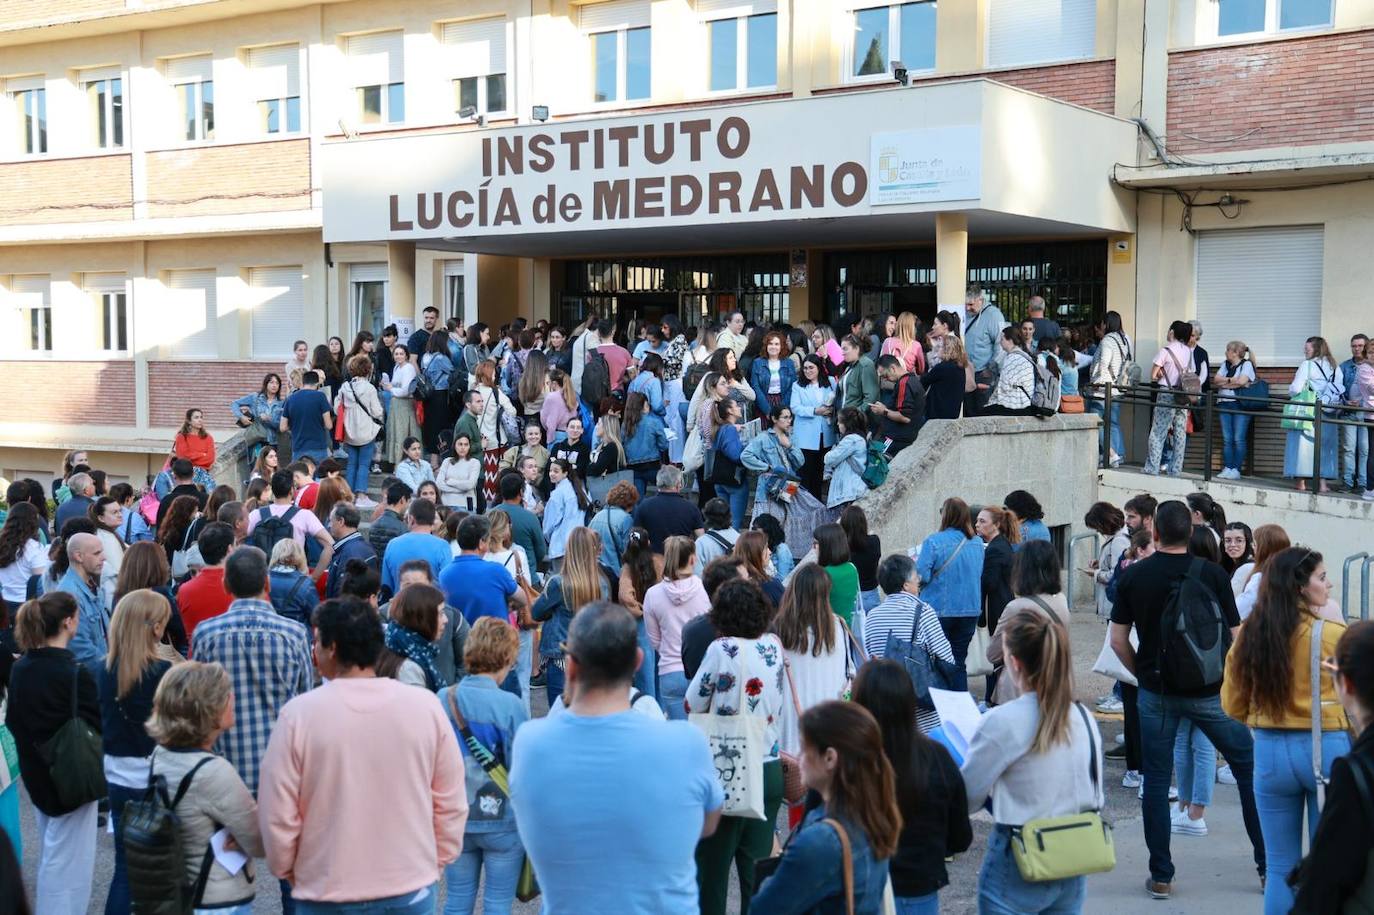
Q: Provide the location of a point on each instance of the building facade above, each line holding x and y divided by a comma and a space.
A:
192, 185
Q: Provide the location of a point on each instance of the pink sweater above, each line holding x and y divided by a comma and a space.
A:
362, 793
667, 607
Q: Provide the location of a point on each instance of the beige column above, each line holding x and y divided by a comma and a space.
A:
400, 287
951, 259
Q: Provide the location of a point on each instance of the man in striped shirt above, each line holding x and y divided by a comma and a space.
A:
267, 656
909, 618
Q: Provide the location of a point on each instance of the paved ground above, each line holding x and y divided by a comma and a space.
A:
1215, 873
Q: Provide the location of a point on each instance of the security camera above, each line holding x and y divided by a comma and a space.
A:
469, 112
899, 73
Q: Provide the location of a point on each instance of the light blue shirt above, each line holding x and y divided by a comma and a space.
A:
981, 333
90, 644
610, 809
414, 545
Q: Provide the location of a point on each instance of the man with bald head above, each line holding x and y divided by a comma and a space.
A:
86, 558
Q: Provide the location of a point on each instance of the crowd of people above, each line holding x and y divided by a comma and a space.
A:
736, 670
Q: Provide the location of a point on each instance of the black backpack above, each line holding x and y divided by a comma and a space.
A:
596, 379
1193, 635
271, 528
153, 850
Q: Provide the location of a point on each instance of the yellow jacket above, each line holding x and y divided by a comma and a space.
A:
1298, 717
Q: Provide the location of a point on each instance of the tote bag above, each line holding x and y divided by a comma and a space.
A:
977, 663
693, 452
736, 743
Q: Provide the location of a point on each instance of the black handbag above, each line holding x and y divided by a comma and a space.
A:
75, 759
925, 669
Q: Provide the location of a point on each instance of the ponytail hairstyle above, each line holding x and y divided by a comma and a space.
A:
361, 580
1213, 515
1041, 646
1263, 652
678, 555
864, 790
1050, 349
41, 619
638, 560
1003, 521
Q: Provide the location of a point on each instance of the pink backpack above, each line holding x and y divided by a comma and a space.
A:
148, 505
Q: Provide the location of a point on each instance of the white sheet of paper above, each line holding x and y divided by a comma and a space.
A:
231, 860
958, 715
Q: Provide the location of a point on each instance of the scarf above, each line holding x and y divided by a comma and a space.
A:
411, 645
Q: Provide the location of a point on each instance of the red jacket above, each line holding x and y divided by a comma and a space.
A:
202, 597
199, 451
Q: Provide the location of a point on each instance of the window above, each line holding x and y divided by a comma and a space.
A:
30, 102
105, 101
1257, 285
478, 54
367, 292
743, 49
882, 34
275, 84
111, 302
1252, 17
31, 299
1025, 32
619, 33
454, 292
376, 68
278, 304
189, 329
195, 90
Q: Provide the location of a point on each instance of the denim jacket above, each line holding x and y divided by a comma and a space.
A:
647, 383
437, 368
766, 456
551, 610
957, 590
613, 524
90, 644
759, 378
257, 405
844, 464
492, 715
648, 443
810, 877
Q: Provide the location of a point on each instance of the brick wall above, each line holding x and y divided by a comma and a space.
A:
175, 387
1279, 93
215, 179
1091, 84
44, 391
66, 190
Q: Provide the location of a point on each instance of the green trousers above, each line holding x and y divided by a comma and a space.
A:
742, 841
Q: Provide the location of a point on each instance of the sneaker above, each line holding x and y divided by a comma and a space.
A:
1225, 776
1158, 890
1180, 824
1368, 495
1112, 706
363, 503
1117, 752
1173, 791
1131, 779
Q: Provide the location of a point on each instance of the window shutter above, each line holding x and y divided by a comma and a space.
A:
93, 74
615, 14
733, 9
23, 83
30, 291
375, 58
103, 282
1025, 32
453, 268
191, 325
275, 71
1257, 285
188, 69
278, 309
367, 273
476, 48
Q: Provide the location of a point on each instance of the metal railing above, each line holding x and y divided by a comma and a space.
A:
1364, 584
1364, 587
1207, 409
1068, 561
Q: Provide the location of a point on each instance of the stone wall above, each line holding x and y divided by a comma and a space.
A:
980, 460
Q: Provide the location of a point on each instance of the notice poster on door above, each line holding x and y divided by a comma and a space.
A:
925, 165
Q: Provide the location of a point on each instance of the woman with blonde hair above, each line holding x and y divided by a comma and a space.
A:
1319, 375
1235, 373
134, 667
1270, 540
559, 406
580, 580
948, 380
193, 706
1038, 756
292, 590
532, 388
905, 345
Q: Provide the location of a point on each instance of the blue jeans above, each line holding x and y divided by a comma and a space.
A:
417, 902
524, 661
1195, 765
359, 465
672, 692
1234, 429
645, 677
1354, 455
501, 855
117, 902
918, 905
959, 630
1118, 438
645, 477
553, 680
1285, 786
1001, 891
1160, 716
738, 497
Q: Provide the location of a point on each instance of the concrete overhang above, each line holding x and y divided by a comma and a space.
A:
1278, 172
861, 168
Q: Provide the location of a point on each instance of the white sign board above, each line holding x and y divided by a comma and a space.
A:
925, 165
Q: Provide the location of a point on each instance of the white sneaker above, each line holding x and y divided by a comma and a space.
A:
1173, 791
1180, 824
363, 503
1131, 779
1110, 706
1368, 495
1230, 473
1225, 776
